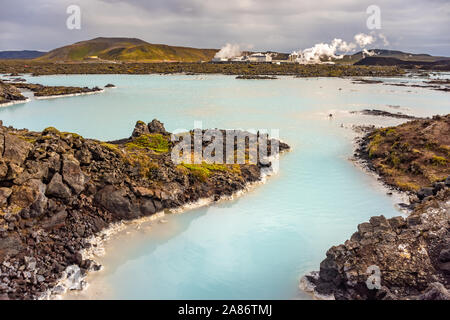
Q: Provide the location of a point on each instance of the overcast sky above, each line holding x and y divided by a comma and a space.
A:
284, 25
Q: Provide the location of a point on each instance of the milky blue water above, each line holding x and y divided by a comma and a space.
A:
259, 245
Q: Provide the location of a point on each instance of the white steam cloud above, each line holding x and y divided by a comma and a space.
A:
366, 52
228, 51
385, 40
336, 49
364, 39
322, 51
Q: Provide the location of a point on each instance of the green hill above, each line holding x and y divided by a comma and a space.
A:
126, 49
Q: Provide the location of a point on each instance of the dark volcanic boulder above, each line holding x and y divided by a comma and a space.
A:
329, 270
29, 195
147, 207
444, 256
445, 267
436, 291
4, 195
3, 168
116, 202
139, 129
73, 175
33, 170
56, 221
57, 188
10, 246
15, 149
425, 192
409, 257
156, 127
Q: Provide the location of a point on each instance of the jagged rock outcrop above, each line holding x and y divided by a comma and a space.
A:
9, 93
40, 90
156, 127
406, 258
140, 129
58, 189
411, 255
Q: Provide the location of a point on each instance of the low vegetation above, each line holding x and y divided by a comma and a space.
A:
413, 154
204, 170
242, 69
155, 142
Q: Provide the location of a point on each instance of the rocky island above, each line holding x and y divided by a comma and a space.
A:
40, 90
10, 94
410, 257
256, 77
59, 189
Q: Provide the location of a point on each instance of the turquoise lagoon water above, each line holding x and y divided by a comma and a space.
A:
256, 246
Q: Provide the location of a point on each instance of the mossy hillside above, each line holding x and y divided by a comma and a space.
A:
143, 151
142, 159
414, 154
127, 49
377, 138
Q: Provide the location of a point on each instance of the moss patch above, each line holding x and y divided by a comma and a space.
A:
407, 186
112, 147
50, 130
64, 135
374, 143
28, 139
155, 142
439, 161
204, 170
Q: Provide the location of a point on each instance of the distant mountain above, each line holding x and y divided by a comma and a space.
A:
21, 54
392, 54
127, 49
443, 64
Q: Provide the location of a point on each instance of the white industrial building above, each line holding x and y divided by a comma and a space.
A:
255, 57
260, 57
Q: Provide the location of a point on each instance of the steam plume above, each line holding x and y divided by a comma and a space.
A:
323, 51
385, 40
336, 49
368, 53
228, 51
364, 39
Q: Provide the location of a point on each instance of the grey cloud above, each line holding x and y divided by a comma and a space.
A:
284, 25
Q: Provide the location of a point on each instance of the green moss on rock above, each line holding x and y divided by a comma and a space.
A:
156, 142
